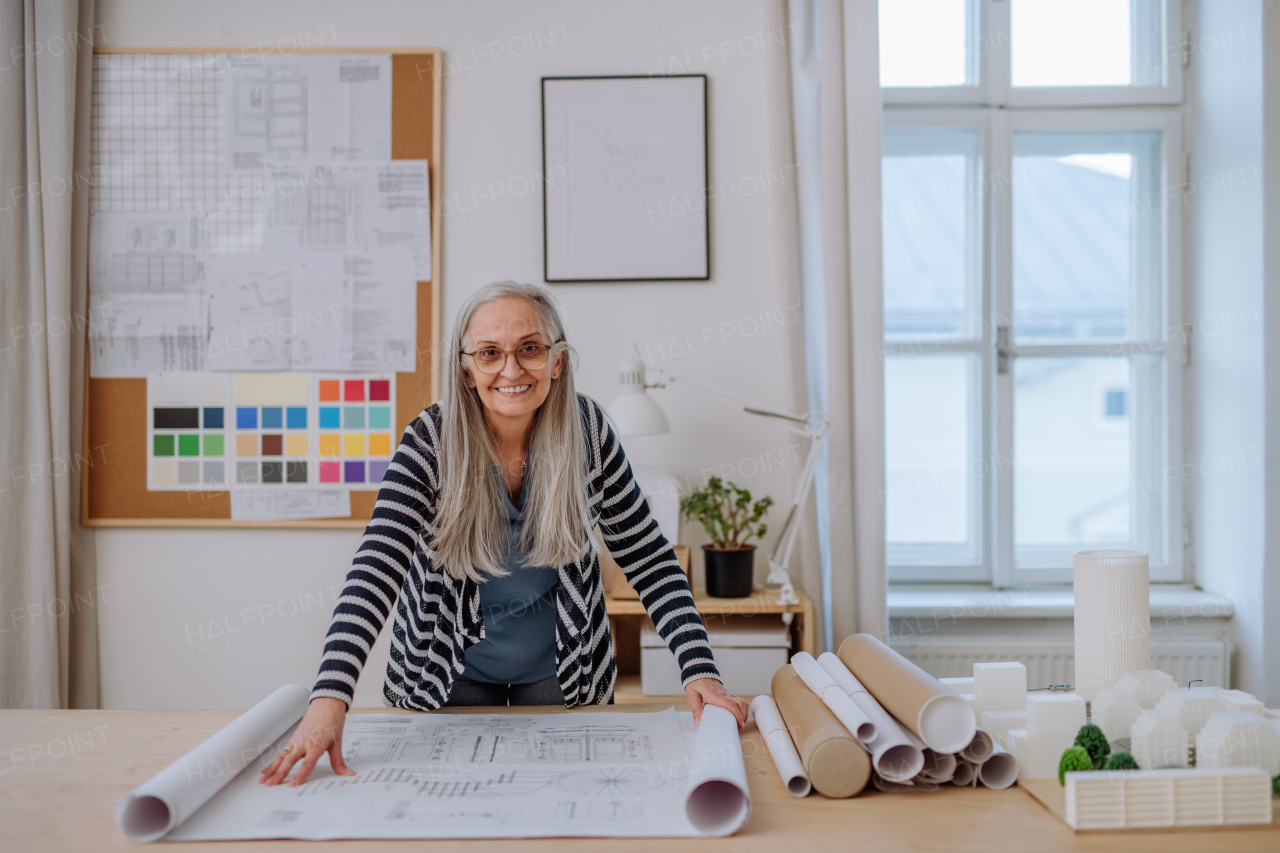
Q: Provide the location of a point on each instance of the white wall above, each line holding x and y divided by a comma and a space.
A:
1232, 377
164, 586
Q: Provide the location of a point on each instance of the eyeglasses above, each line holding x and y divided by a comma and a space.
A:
492, 359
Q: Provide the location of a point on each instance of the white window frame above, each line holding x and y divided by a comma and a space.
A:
1168, 124
996, 128
989, 60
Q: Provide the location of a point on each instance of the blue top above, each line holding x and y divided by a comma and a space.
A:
519, 613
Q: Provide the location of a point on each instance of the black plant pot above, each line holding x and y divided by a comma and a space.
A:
729, 572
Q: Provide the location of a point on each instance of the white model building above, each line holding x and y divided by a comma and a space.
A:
1146, 686
1192, 706
1114, 711
998, 724
1000, 686
1239, 702
1114, 799
1238, 740
1159, 740
1053, 720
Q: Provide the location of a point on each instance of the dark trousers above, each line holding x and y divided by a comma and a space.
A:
467, 691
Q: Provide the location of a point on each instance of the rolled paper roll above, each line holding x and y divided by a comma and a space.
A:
177, 792
910, 787
938, 767
822, 684
966, 774
718, 799
836, 764
922, 703
895, 755
781, 748
980, 748
999, 771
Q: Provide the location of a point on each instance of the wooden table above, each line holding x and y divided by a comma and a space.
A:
62, 773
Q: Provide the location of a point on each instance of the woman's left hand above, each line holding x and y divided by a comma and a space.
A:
709, 691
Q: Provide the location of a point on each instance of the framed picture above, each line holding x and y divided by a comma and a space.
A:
625, 189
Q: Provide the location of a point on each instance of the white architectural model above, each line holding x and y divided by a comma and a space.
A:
1239, 702
1159, 740
1000, 686
1238, 740
998, 724
1114, 711
1053, 720
1192, 706
1113, 799
1146, 685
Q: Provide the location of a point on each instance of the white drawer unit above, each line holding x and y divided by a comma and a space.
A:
748, 651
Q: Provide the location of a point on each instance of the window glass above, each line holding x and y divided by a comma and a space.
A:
1085, 43
923, 43
932, 459
1086, 244
931, 226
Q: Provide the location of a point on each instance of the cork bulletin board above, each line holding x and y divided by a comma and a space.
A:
114, 489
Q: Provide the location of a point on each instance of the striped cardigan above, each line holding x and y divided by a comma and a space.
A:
437, 616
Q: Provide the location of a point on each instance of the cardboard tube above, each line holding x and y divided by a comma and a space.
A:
895, 754
835, 762
923, 704
966, 774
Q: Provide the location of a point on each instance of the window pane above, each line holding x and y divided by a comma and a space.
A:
931, 233
933, 470
1086, 236
1087, 449
1086, 43
922, 42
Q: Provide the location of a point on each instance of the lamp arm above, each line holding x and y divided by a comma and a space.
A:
665, 378
779, 571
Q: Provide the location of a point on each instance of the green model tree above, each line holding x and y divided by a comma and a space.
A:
1120, 761
1095, 743
1075, 758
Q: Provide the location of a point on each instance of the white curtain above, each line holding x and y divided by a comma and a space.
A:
48, 589
835, 86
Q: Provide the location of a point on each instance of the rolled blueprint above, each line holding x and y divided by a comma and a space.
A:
821, 683
837, 765
718, 801
888, 787
999, 771
938, 767
979, 749
966, 774
1112, 617
894, 755
922, 703
781, 749
174, 794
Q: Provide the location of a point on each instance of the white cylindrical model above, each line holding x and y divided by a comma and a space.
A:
1112, 617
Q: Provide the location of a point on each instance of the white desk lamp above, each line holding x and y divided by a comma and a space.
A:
636, 413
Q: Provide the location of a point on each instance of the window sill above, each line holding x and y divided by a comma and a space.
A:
1043, 604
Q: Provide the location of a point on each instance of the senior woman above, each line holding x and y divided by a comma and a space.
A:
481, 540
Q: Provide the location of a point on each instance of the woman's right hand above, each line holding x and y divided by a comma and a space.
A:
319, 732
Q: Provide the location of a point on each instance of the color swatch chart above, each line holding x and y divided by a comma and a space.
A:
211, 431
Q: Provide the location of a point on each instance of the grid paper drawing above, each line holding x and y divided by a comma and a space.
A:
158, 144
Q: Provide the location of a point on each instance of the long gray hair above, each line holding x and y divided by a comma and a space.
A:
471, 513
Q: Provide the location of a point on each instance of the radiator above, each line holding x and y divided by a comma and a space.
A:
1051, 660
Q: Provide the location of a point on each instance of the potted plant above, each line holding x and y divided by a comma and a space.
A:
730, 519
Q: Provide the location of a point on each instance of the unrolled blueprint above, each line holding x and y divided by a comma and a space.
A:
280, 109
365, 207
474, 776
